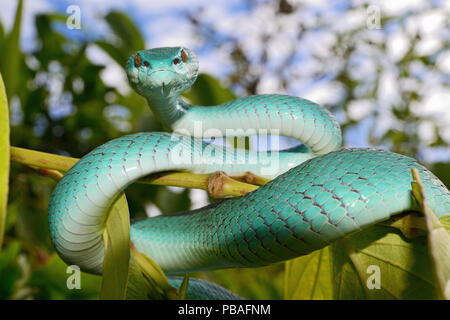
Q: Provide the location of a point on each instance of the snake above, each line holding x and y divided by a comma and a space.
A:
318, 191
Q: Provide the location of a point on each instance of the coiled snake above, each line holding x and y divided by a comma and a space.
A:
319, 193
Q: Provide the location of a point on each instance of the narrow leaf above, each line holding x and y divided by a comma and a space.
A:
4, 158
126, 30
154, 274
183, 288
9, 59
117, 251
438, 240
139, 288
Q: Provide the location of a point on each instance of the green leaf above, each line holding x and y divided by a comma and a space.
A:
117, 251
439, 242
442, 171
403, 266
114, 52
438, 239
4, 158
9, 59
155, 277
309, 277
9, 271
183, 288
208, 91
126, 30
139, 288
445, 221
128, 38
379, 262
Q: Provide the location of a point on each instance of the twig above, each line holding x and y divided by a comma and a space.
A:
218, 185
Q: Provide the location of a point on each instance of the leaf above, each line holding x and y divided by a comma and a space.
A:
438, 239
183, 288
114, 52
208, 91
411, 224
128, 35
445, 221
117, 251
403, 266
379, 262
139, 288
309, 277
155, 277
9, 271
9, 59
439, 242
126, 30
4, 158
442, 171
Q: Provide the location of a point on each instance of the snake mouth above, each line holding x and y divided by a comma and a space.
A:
165, 91
163, 81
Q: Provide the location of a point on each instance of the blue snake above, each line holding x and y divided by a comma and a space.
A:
319, 191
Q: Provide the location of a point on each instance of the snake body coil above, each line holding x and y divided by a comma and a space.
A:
320, 193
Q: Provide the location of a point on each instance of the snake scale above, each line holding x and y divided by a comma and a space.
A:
320, 192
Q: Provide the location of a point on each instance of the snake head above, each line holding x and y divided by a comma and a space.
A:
162, 72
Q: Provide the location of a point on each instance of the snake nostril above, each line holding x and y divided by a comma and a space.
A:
146, 64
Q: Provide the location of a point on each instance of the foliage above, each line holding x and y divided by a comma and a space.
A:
59, 103
4, 160
289, 45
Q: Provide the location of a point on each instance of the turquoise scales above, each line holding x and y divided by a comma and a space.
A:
326, 194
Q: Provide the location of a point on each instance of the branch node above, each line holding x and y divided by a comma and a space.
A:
216, 182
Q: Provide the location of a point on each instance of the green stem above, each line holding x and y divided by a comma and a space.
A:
51, 163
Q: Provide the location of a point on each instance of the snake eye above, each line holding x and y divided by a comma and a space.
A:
137, 60
176, 61
184, 56
146, 64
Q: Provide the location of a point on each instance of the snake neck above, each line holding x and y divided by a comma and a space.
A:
168, 109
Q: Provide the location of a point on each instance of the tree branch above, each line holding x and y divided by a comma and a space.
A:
49, 164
